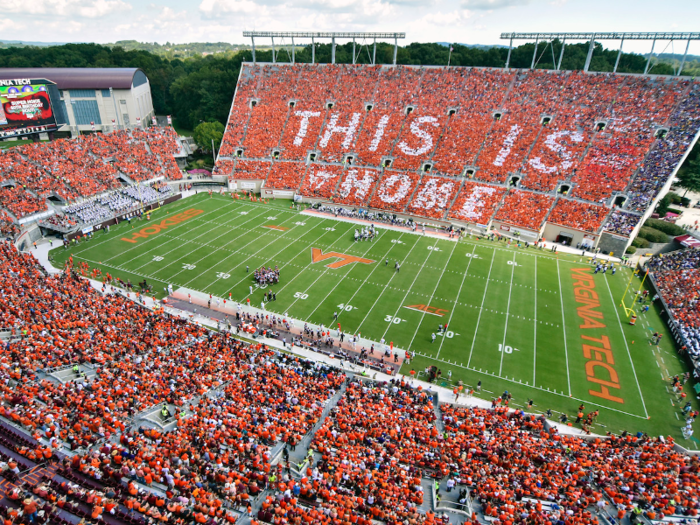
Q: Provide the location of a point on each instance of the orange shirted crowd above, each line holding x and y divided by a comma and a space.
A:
374, 452
591, 131
83, 167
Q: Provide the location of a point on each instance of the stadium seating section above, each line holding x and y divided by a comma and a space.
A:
72, 446
84, 167
413, 134
677, 277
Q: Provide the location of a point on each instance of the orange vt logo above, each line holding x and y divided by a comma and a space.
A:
427, 309
318, 256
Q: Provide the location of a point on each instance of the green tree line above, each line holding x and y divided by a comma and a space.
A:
200, 89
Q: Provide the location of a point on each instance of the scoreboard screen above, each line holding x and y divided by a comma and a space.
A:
25, 108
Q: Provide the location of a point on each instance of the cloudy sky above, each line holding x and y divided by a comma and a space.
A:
466, 21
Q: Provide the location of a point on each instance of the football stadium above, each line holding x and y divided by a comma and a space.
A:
403, 294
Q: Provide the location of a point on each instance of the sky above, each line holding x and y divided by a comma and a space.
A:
463, 21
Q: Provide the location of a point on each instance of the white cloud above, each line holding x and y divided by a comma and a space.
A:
213, 8
81, 8
456, 17
492, 4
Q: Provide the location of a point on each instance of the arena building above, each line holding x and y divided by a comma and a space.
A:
96, 99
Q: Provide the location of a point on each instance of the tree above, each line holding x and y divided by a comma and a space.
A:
206, 132
689, 177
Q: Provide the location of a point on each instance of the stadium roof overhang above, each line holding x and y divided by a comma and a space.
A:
592, 37
332, 35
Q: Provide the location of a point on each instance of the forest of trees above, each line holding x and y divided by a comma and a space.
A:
200, 89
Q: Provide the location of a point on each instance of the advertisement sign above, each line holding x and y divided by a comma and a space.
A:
25, 107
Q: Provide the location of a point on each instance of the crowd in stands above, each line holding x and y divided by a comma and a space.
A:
18, 201
286, 175
321, 181
114, 203
250, 169
579, 215
394, 190
233, 402
433, 197
667, 153
83, 167
524, 209
8, 229
595, 130
677, 277
621, 222
476, 203
357, 186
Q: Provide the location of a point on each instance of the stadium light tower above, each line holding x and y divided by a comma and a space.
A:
592, 37
324, 35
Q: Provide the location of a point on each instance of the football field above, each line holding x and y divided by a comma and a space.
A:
537, 324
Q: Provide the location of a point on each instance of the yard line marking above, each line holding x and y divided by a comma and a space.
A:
505, 329
552, 392
534, 364
481, 309
370, 274
309, 264
152, 278
410, 287
340, 280
639, 389
357, 330
170, 230
449, 321
563, 325
176, 208
194, 241
276, 254
234, 252
431, 298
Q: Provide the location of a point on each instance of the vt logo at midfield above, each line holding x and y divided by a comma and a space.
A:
318, 256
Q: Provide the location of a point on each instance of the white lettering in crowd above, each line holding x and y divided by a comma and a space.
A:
475, 202
561, 151
319, 177
422, 134
507, 145
395, 188
435, 194
348, 131
379, 133
360, 185
304, 125
16, 82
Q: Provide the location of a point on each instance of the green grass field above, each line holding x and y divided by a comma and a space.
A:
513, 316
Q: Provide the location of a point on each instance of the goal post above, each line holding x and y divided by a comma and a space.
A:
628, 303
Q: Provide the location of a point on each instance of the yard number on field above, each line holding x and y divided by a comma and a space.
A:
396, 241
434, 248
222, 275
449, 334
188, 266
347, 307
507, 349
299, 223
243, 212
270, 218
513, 263
158, 258
392, 319
300, 295
472, 255
329, 229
